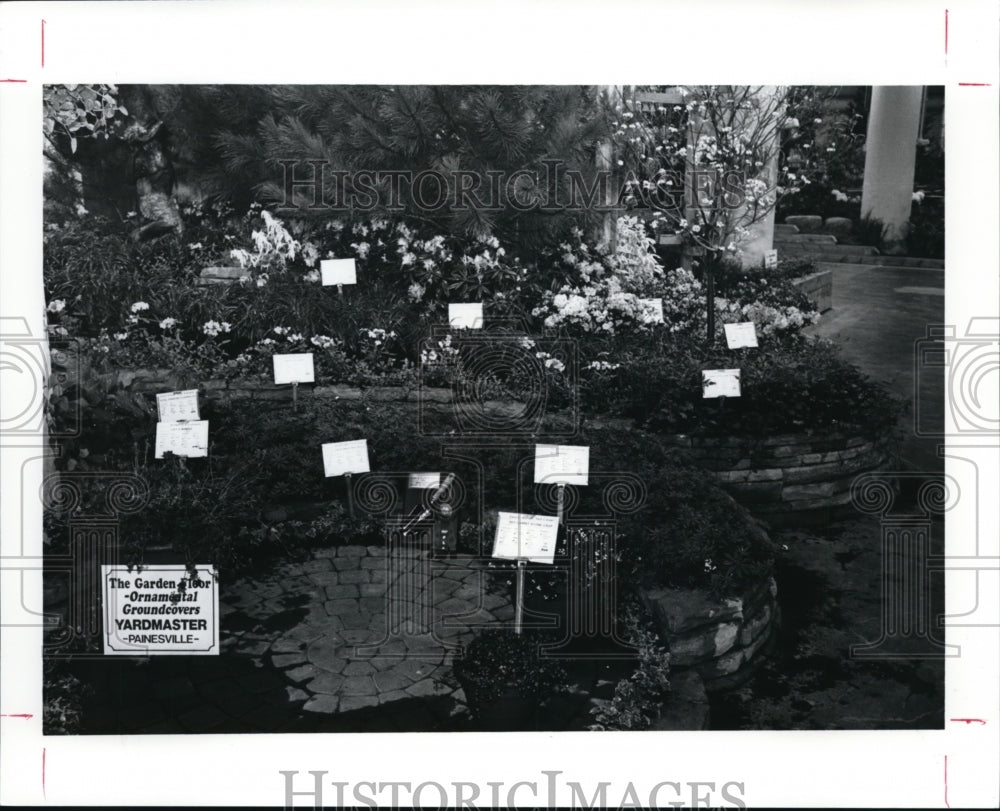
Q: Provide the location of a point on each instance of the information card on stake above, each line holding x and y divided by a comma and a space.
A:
178, 406
188, 439
771, 259
562, 464
741, 335
338, 271
294, 368
654, 310
150, 613
466, 316
532, 537
720, 382
340, 458
424, 481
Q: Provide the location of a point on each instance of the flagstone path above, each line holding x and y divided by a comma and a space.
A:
360, 627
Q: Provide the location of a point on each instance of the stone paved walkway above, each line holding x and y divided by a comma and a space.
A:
362, 626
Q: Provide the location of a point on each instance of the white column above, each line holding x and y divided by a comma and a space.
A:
890, 154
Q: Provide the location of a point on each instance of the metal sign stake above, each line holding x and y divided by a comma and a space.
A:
519, 597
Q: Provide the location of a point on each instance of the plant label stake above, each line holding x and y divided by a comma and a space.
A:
338, 272
345, 459
563, 465
294, 368
522, 565
523, 537
350, 495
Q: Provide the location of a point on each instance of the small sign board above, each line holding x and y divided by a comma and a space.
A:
522, 536
149, 613
178, 406
294, 368
654, 310
338, 271
741, 335
466, 315
341, 458
771, 259
720, 382
188, 439
424, 481
562, 464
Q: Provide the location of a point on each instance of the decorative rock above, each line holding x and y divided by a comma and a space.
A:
689, 650
321, 703
348, 703
839, 225
682, 610
806, 223
358, 686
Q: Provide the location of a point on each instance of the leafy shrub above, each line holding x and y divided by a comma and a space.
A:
691, 534
63, 697
638, 698
800, 387
925, 230
500, 662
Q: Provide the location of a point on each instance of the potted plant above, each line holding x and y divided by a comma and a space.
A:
506, 680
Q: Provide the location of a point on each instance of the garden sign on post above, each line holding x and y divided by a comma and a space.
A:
561, 465
523, 537
344, 459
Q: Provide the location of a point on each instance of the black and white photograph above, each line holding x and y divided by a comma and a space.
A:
442, 415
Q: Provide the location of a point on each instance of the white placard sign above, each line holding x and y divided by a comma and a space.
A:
294, 368
178, 406
654, 310
562, 464
532, 537
147, 614
466, 316
720, 382
189, 439
741, 335
340, 458
771, 259
338, 271
424, 481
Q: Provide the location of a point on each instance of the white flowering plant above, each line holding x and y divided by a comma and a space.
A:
706, 165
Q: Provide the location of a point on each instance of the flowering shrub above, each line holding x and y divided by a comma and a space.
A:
610, 292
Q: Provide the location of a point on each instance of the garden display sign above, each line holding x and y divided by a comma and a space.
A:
466, 315
185, 439
178, 406
741, 335
523, 537
423, 481
161, 610
771, 259
561, 465
295, 368
338, 272
654, 310
345, 459
720, 383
